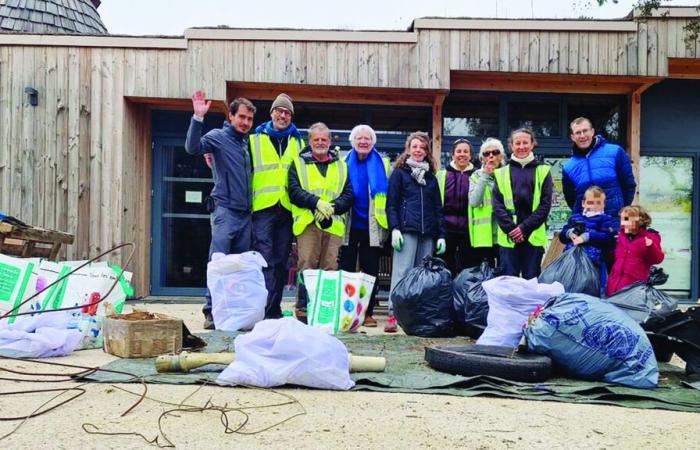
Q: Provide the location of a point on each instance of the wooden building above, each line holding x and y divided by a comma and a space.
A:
101, 154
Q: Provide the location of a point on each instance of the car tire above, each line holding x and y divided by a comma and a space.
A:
501, 362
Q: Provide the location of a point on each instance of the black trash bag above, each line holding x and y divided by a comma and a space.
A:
423, 300
678, 332
642, 301
471, 304
575, 271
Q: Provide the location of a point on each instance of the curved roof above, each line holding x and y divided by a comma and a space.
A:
51, 16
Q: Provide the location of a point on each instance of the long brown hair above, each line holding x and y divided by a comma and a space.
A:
425, 139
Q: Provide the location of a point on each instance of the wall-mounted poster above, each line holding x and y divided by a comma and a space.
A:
666, 191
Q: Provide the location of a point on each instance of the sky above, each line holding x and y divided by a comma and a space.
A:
172, 17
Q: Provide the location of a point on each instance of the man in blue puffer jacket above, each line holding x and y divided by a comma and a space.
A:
594, 161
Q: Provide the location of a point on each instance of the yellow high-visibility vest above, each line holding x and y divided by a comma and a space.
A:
270, 171
538, 237
481, 219
326, 188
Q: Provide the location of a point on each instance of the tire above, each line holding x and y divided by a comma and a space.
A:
501, 362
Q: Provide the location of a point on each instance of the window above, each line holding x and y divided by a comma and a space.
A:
666, 192
608, 115
470, 115
541, 116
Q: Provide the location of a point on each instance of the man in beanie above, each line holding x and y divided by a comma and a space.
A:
273, 148
231, 219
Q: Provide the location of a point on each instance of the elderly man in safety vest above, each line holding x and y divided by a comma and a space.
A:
273, 148
320, 195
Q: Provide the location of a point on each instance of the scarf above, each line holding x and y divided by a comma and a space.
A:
269, 130
523, 161
469, 167
418, 170
378, 183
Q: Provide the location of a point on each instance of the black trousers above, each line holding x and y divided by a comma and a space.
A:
522, 260
358, 246
459, 253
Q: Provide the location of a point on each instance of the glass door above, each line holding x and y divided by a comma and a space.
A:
180, 222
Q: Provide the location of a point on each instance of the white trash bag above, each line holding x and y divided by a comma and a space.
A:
237, 288
285, 351
40, 336
511, 300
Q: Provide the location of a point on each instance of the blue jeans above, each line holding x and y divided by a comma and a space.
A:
415, 248
230, 234
272, 238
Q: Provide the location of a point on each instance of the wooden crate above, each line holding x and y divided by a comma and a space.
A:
32, 242
142, 337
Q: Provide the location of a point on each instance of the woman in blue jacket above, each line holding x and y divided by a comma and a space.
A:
414, 210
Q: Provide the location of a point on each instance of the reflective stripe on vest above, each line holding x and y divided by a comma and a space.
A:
481, 219
327, 188
538, 237
270, 171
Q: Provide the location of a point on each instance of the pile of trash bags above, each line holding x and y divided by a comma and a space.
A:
422, 300
642, 301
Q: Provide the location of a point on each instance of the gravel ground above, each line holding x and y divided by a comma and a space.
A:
331, 419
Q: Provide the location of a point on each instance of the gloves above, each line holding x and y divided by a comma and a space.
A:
396, 240
440, 247
318, 216
325, 208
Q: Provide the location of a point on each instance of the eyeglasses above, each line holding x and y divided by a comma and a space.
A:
283, 112
491, 153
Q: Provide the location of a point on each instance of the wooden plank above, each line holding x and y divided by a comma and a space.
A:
373, 65
163, 71
635, 110
533, 51
84, 224
514, 51
584, 40
504, 51
27, 142
642, 49
652, 47
484, 55
455, 49
553, 52
312, 62
383, 62
96, 174
593, 45
46, 115
61, 162
353, 63
632, 55
474, 49
672, 44
543, 63
563, 53
175, 84
323, 69
363, 64
332, 69
393, 64
464, 45
662, 52
259, 64
622, 54
572, 67
443, 79
524, 51
107, 210
494, 51
5, 128
342, 64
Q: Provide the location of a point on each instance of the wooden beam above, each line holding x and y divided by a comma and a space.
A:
634, 132
687, 68
334, 94
177, 104
529, 82
437, 128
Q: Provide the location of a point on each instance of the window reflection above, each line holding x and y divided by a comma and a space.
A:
542, 117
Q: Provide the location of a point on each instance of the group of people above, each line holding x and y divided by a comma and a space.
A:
270, 186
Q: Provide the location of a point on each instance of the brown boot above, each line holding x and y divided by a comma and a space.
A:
370, 322
300, 314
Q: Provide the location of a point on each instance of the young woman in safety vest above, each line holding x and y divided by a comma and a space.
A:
522, 198
454, 190
482, 226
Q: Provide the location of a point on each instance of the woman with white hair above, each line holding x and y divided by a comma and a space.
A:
366, 225
482, 226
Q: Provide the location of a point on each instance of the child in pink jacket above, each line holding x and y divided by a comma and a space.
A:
638, 248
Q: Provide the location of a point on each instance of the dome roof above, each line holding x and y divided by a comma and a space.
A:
51, 16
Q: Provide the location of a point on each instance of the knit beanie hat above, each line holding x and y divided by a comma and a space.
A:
283, 101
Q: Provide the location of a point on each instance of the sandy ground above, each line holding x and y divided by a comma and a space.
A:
330, 419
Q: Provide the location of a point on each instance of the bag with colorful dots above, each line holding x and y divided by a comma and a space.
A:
338, 300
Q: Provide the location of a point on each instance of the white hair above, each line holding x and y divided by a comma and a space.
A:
360, 128
491, 144
319, 127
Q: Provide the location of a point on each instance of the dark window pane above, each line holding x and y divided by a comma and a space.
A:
186, 250
608, 115
542, 117
467, 114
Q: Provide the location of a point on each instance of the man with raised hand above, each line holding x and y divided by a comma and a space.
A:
231, 220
